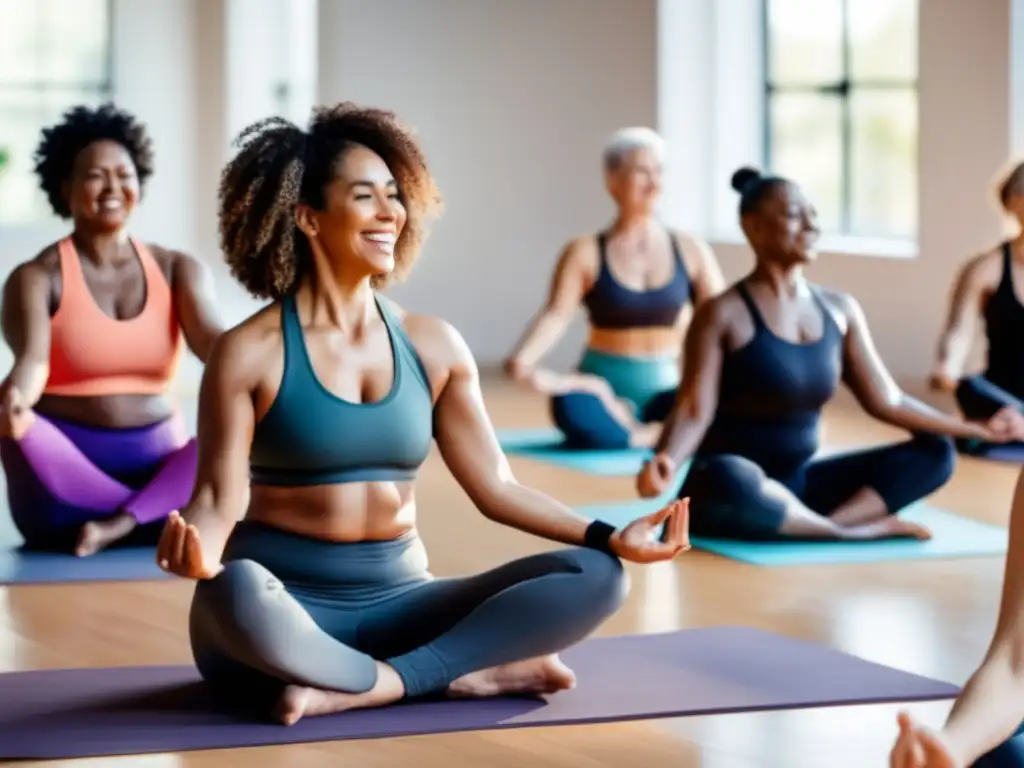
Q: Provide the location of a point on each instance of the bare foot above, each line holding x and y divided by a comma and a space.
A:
98, 534
298, 701
544, 674
892, 527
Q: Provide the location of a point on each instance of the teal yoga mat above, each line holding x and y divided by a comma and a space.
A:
545, 444
952, 536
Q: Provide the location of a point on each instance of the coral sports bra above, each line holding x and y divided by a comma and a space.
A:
92, 354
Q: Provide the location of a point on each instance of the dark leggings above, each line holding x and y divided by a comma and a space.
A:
728, 497
290, 609
587, 424
1009, 754
979, 399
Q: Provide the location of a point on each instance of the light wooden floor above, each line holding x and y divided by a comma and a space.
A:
932, 618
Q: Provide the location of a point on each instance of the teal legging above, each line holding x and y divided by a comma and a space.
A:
648, 384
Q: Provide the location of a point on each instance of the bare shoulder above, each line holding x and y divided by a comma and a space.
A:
983, 268
438, 343
250, 347
178, 264
845, 308
579, 252
694, 249
35, 275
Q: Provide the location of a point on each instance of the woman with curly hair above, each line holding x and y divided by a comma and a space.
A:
93, 450
313, 592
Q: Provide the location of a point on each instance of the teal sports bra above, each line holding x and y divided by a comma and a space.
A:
312, 437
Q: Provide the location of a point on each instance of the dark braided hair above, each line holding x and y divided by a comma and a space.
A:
79, 127
754, 188
279, 166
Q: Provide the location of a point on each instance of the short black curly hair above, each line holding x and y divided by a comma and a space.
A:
279, 166
79, 127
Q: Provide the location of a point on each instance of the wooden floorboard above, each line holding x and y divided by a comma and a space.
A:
928, 617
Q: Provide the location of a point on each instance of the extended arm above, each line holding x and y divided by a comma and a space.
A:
991, 705
568, 288
470, 448
880, 395
965, 308
697, 397
196, 302
226, 422
26, 327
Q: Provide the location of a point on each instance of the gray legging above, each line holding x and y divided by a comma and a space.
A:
291, 609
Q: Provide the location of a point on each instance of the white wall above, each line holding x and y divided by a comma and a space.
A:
512, 99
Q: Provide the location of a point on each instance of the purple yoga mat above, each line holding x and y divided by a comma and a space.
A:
138, 710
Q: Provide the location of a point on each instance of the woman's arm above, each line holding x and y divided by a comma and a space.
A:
196, 303
705, 272
226, 422
469, 447
991, 705
965, 308
879, 394
568, 287
26, 326
697, 397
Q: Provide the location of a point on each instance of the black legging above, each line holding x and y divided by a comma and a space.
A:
728, 498
979, 399
587, 425
291, 609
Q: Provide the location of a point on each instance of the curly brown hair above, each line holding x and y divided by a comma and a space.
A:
279, 166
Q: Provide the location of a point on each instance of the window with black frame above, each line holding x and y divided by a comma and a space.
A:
54, 54
841, 110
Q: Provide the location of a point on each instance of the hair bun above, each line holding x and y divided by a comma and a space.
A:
744, 177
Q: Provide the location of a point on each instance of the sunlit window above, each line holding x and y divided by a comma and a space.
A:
841, 85
53, 54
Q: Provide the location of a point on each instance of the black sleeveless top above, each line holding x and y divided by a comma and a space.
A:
1004, 329
771, 394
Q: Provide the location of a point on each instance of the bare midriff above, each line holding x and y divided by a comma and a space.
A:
637, 342
107, 411
343, 512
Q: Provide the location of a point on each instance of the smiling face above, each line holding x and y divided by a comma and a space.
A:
635, 184
104, 187
362, 215
784, 228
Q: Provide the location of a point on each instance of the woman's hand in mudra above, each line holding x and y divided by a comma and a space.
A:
639, 541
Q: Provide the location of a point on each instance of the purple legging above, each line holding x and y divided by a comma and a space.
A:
61, 475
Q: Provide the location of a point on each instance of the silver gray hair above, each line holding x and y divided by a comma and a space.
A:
626, 140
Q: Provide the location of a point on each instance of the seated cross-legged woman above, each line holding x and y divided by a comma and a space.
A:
93, 450
313, 592
986, 290
764, 358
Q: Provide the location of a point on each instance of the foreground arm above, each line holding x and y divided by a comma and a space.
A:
196, 303
991, 705
26, 326
468, 445
568, 288
965, 307
193, 542
879, 395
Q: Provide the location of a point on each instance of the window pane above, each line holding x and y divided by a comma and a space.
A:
805, 41
73, 41
883, 39
22, 116
806, 146
883, 163
18, 29
60, 41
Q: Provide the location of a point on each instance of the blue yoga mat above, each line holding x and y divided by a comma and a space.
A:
1012, 453
126, 564
547, 445
952, 536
